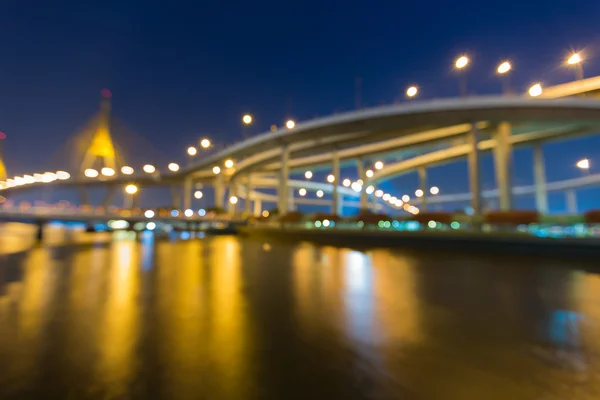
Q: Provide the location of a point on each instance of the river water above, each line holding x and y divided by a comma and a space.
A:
231, 318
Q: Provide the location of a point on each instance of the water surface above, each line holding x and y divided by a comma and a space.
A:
229, 318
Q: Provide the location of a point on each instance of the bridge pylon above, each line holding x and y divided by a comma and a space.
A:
101, 151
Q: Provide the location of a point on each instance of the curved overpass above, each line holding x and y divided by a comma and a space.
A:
429, 132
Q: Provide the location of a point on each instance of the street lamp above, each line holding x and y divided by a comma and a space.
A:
198, 194
412, 91
583, 164
247, 120
320, 193
308, 174
302, 192
379, 165
369, 173
90, 173
504, 67
233, 200
149, 169
290, 124
228, 163
106, 171
216, 170
130, 190
419, 193
192, 151
127, 170
535, 90
460, 64
205, 143
576, 61
173, 167
406, 198
346, 182
434, 190
330, 178
503, 70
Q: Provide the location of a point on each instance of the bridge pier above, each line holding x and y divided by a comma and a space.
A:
219, 187
283, 180
112, 189
187, 193
374, 199
539, 176
474, 176
423, 186
362, 174
571, 197
175, 197
502, 161
232, 192
83, 197
291, 202
248, 192
340, 205
257, 207
335, 166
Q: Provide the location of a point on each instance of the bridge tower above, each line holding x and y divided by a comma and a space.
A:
3, 175
101, 151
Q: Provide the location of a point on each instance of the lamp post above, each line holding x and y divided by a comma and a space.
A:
535, 90
130, 191
412, 92
575, 61
246, 120
503, 70
584, 165
460, 64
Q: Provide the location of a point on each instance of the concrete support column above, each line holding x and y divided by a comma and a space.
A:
335, 167
571, 197
232, 192
112, 189
340, 205
83, 197
282, 191
423, 186
474, 178
502, 160
373, 205
249, 189
219, 187
187, 193
175, 197
362, 174
291, 204
257, 207
539, 176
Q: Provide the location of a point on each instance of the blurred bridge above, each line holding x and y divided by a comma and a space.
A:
382, 142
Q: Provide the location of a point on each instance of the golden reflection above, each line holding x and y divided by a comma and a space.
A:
359, 296
38, 283
318, 283
229, 330
33, 299
397, 305
119, 317
307, 302
181, 309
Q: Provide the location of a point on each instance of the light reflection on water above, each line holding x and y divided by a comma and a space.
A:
231, 318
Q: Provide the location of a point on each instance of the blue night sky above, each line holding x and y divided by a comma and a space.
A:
185, 69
